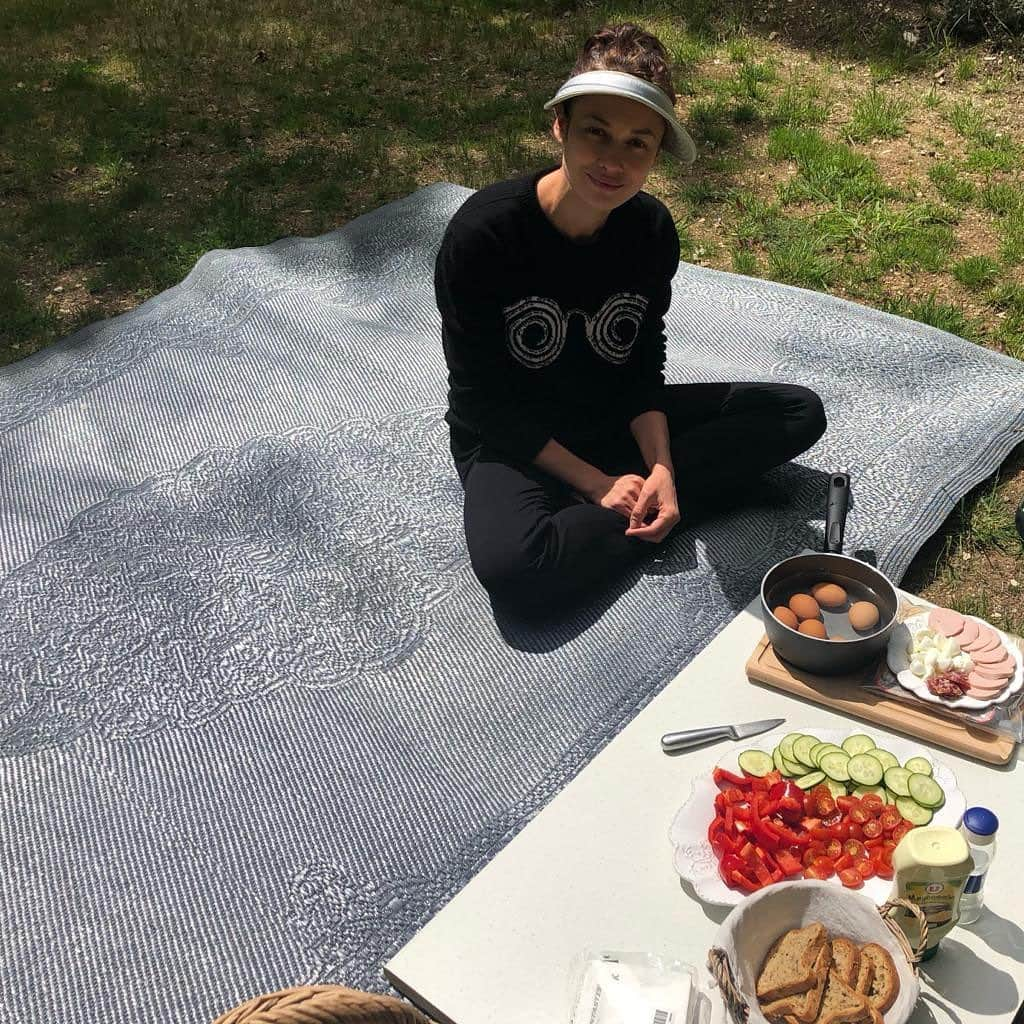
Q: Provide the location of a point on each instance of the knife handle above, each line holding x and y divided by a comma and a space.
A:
672, 742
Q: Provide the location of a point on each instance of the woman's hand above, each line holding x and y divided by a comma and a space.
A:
656, 502
619, 493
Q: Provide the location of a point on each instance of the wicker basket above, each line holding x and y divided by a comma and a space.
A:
726, 976
323, 1004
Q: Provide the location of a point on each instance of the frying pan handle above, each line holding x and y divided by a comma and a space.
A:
835, 511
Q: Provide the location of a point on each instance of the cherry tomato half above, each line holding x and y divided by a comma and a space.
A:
872, 828
861, 815
824, 864
851, 878
816, 872
890, 818
834, 849
873, 802
901, 830
855, 848
866, 867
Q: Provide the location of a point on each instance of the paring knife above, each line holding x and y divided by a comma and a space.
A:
672, 742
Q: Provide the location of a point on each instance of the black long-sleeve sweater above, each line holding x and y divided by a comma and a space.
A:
546, 337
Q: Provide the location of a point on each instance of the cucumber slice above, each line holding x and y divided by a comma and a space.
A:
836, 788
890, 796
794, 768
858, 743
820, 751
810, 780
919, 765
817, 749
802, 750
756, 762
777, 760
877, 790
896, 780
786, 744
925, 790
884, 758
865, 770
834, 765
913, 811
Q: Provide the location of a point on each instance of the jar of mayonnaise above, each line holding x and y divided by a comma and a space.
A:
931, 866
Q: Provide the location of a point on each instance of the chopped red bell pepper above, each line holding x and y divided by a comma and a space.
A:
720, 775
766, 839
789, 864
741, 880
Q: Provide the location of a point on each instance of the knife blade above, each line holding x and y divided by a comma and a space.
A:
672, 742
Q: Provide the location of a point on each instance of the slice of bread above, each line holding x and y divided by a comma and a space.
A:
840, 1004
846, 959
789, 966
885, 980
803, 1007
865, 974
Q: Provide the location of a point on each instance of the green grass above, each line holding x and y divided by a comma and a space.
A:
798, 106
930, 310
976, 272
917, 237
1001, 198
827, 171
966, 67
950, 184
877, 116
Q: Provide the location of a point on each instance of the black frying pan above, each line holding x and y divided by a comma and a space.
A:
860, 580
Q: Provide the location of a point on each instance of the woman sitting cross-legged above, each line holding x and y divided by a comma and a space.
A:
575, 456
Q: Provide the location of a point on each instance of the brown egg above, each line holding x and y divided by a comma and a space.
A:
804, 606
863, 615
786, 617
814, 627
829, 595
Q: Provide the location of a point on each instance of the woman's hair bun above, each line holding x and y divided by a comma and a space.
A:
628, 48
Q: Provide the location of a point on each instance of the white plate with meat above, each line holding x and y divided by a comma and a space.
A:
995, 672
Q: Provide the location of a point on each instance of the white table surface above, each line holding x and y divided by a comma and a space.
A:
594, 870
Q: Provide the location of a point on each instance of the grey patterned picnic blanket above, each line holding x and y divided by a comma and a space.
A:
258, 721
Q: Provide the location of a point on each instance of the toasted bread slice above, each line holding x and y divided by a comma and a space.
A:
840, 1004
789, 966
803, 1007
885, 980
846, 960
865, 974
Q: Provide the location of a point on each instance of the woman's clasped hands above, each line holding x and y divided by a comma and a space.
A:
650, 504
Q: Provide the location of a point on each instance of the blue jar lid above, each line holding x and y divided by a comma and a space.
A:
980, 820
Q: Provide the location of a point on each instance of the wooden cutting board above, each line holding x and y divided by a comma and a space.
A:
848, 695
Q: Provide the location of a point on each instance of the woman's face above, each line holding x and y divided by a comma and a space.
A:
609, 146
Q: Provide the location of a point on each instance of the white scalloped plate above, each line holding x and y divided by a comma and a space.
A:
899, 662
694, 859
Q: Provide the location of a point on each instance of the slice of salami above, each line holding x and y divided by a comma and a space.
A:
988, 640
983, 685
978, 694
1004, 670
993, 657
945, 621
968, 634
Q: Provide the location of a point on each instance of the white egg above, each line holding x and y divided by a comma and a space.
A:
943, 664
949, 648
917, 667
962, 662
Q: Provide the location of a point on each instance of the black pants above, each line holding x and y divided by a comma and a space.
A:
535, 545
